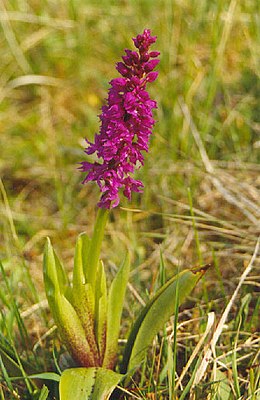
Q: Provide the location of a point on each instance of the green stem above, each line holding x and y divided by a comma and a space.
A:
95, 245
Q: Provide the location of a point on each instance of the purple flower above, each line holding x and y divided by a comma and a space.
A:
126, 125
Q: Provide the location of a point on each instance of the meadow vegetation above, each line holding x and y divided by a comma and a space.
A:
201, 200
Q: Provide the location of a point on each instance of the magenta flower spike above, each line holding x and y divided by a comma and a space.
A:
126, 125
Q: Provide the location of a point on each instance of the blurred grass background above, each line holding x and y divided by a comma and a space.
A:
201, 197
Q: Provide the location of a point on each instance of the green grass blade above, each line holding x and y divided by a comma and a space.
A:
14, 307
186, 391
48, 376
196, 234
5, 375
12, 360
10, 363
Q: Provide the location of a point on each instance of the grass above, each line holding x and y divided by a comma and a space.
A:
201, 198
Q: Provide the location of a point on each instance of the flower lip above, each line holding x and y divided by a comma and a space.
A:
126, 125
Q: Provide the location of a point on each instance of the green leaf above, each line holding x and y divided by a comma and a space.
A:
88, 383
55, 278
82, 293
80, 303
155, 314
80, 260
101, 309
44, 393
48, 376
72, 332
224, 389
64, 314
115, 306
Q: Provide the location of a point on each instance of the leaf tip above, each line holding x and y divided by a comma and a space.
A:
201, 269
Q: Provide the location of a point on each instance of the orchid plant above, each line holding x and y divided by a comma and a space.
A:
86, 312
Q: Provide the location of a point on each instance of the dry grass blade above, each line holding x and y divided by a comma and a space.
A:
34, 80
133, 396
210, 323
12, 41
8, 212
234, 199
211, 347
34, 308
57, 23
25, 80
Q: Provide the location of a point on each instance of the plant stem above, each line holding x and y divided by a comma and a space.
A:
95, 245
